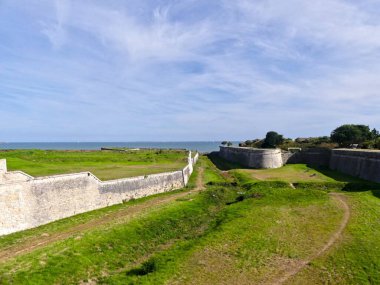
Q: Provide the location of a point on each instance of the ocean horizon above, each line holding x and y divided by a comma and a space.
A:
201, 146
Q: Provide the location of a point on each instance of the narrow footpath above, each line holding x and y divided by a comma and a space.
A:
296, 268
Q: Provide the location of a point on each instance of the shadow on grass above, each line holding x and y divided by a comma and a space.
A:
343, 182
145, 269
376, 193
364, 186
337, 176
350, 183
222, 164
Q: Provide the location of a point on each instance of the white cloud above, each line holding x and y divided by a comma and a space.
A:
56, 32
222, 66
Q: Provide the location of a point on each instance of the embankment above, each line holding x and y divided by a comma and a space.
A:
28, 202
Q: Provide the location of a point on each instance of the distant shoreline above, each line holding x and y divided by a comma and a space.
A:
201, 146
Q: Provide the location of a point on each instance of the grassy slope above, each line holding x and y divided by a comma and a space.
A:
297, 173
357, 258
244, 234
259, 235
104, 164
112, 249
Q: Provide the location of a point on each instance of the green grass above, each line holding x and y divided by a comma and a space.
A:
259, 235
106, 165
298, 173
357, 258
62, 225
105, 253
240, 230
211, 174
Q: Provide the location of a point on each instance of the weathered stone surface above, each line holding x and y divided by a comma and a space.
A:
28, 202
312, 156
364, 164
3, 165
359, 163
252, 157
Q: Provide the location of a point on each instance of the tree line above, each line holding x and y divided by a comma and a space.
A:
348, 135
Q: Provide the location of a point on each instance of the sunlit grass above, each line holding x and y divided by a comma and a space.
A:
106, 165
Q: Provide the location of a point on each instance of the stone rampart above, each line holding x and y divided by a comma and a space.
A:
195, 159
360, 163
364, 164
252, 157
28, 202
311, 156
3, 165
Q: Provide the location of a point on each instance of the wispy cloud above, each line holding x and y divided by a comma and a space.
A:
57, 32
164, 70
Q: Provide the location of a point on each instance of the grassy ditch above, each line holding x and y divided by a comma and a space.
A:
117, 250
238, 230
356, 259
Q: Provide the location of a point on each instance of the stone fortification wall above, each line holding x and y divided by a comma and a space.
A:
312, 156
359, 163
28, 202
11, 176
3, 165
14, 176
186, 172
195, 158
274, 158
251, 157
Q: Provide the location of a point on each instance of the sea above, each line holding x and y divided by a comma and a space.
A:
200, 146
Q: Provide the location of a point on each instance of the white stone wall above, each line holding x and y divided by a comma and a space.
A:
28, 202
252, 157
14, 209
3, 170
195, 159
3, 165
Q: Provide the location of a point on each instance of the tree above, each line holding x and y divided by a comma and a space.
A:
347, 135
272, 139
375, 134
226, 143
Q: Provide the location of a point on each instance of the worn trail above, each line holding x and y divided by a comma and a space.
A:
119, 216
294, 269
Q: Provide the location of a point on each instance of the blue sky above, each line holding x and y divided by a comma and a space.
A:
186, 69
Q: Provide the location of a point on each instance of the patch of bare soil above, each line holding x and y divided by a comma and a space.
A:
111, 218
226, 175
199, 184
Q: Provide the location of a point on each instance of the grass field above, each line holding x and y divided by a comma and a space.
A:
298, 173
234, 230
106, 165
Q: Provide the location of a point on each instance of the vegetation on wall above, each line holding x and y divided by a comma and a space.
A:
227, 143
348, 135
272, 140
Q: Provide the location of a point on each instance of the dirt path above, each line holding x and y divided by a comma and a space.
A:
295, 268
200, 185
119, 216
